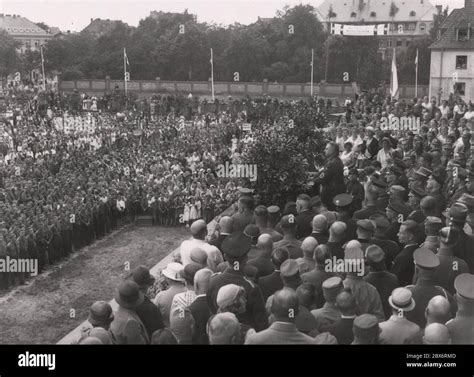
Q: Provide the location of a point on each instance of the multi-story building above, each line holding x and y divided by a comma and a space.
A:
407, 19
30, 35
452, 55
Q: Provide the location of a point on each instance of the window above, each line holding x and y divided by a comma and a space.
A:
373, 14
460, 88
422, 26
411, 26
412, 13
353, 14
399, 43
461, 62
463, 35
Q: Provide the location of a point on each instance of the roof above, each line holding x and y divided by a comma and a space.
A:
458, 18
99, 26
16, 25
54, 30
366, 9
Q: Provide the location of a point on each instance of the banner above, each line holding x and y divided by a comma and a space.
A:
75, 124
359, 30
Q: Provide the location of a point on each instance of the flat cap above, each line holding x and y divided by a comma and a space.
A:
381, 222
237, 244
332, 284
366, 225
464, 285
418, 191
365, 325
288, 221
289, 268
252, 231
273, 209
342, 200
422, 173
458, 212
396, 189
449, 236
425, 259
374, 254
468, 201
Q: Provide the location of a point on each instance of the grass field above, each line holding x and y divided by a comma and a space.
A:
55, 302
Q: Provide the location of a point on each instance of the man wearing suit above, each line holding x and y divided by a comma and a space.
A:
148, 312
236, 248
273, 282
319, 274
465, 245
199, 307
304, 218
425, 289
461, 328
342, 329
384, 281
403, 266
127, 328
263, 261
283, 331
332, 177
397, 329
164, 299
371, 144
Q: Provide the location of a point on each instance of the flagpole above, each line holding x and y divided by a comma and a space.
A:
125, 70
42, 68
212, 75
416, 75
312, 70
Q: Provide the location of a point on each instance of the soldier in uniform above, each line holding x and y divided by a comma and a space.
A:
457, 215
460, 328
343, 203
424, 290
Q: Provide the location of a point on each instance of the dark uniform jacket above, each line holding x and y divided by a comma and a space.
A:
422, 293
460, 328
150, 315
385, 282
241, 220
342, 330
304, 223
270, 284
390, 248
255, 314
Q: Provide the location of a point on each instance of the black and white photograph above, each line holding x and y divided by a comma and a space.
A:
216, 173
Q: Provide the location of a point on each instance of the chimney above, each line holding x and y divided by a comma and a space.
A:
439, 8
469, 4
92, 20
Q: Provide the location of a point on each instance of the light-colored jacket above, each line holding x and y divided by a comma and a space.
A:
396, 330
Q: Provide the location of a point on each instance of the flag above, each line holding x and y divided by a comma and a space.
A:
416, 59
394, 91
125, 56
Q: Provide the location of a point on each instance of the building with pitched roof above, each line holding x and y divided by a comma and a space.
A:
452, 55
100, 27
407, 19
30, 35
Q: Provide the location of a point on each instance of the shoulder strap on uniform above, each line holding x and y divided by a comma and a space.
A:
250, 282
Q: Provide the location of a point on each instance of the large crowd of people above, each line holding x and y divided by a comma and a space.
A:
379, 251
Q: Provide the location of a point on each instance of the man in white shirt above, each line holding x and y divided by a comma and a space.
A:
199, 232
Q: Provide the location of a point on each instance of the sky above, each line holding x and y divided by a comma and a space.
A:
75, 15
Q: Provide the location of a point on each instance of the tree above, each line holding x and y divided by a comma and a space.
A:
43, 26
438, 21
406, 62
9, 59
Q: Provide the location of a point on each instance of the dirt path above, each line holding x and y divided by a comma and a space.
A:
58, 300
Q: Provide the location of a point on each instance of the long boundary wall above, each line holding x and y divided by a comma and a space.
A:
146, 88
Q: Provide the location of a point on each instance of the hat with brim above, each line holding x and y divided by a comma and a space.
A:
100, 314
173, 271
129, 295
141, 275
401, 299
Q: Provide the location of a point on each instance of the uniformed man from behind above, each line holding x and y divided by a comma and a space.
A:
450, 266
236, 247
457, 215
461, 327
424, 290
343, 203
